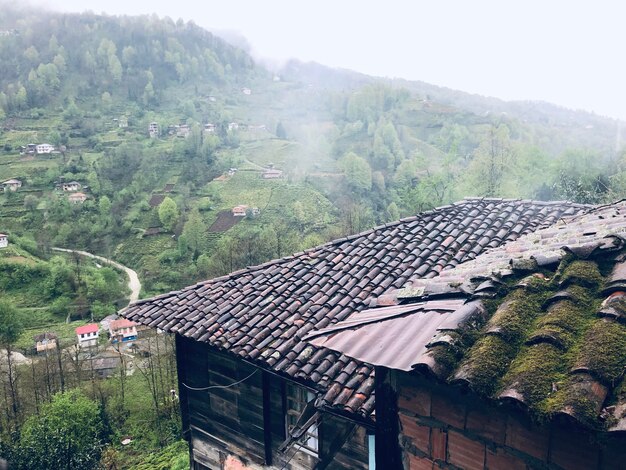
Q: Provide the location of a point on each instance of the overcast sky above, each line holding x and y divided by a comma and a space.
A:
566, 52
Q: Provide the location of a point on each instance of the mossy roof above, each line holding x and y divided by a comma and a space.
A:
541, 323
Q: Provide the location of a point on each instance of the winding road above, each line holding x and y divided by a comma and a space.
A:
133, 280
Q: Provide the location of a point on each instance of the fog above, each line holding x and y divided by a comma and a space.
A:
567, 53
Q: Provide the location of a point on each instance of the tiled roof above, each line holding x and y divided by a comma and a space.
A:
89, 328
262, 313
539, 322
121, 323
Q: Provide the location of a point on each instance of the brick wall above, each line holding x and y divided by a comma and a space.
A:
442, 427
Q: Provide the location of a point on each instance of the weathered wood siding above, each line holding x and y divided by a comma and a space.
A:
226, 426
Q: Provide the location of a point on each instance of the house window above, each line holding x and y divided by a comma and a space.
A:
297, 398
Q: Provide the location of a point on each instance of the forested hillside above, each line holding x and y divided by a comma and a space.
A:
173, 153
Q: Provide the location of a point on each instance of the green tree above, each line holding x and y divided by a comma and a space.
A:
358, 172
11, 326
67, 434
194, 232
168, 213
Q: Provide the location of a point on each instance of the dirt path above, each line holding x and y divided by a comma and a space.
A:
133, 280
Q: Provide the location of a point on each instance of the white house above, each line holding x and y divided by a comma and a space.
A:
44, 148
87, 335
272, 173
153, 130
11, 185
246, 91
71, 186
233, 126
4, 240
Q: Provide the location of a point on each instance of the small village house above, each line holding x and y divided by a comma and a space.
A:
233, 126
44, 148
122, 122
240, 211
272, 173
45, 342
11, 185
153, 130
209, 128
88, 335
106, 321
4, 240
183, 131
122, 330
246, 91
254, 393
104, 364
71, 186
77, 198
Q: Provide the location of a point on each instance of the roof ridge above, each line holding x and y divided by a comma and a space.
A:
348, 238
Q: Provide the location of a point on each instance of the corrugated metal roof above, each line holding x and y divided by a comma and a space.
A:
400, 341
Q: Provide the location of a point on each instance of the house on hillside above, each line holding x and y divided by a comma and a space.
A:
44, 148
106, 321
88, 335
209, 128
4, 240
271, 173
45, 342
246, 91
233, 126
11, 185
104, 364
279, 400
183, 131
122, 330
514, 359
240, 211
153, 130
122, 123
71, 186
77, 198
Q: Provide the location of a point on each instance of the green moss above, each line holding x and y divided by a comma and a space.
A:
571, 316
582, 273
574, 394
533, 372
516, 314
604, 351
487, 361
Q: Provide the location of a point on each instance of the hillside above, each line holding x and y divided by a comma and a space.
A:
350, 151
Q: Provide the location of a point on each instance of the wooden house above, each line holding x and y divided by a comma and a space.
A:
88, 335
4, 240
254, 393
513, 360
45, 342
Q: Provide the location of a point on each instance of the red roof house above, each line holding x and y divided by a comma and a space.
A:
88, 335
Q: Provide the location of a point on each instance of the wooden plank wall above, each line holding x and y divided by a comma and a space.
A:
229, 419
